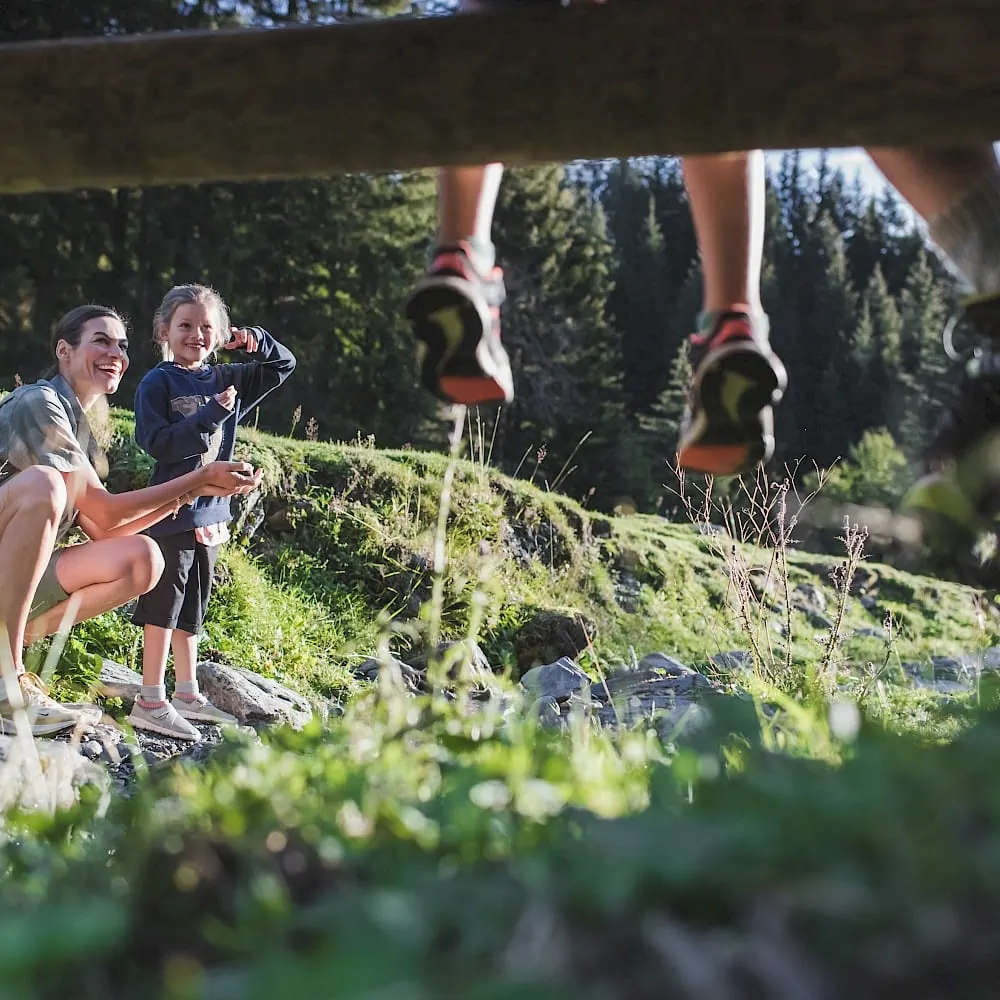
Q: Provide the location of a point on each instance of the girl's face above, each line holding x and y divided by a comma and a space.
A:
193, 334
96, 365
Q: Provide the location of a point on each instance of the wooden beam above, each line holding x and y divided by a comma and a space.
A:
531, 85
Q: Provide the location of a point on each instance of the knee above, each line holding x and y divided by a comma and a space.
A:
42, 491
145, 564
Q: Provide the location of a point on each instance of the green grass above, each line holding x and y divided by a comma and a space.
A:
421, 848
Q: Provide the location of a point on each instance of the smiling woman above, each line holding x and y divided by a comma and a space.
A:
50, 465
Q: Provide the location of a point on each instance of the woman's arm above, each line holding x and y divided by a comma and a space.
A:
111, 512
94, 532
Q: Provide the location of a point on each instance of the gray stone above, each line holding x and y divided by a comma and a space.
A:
809, 597
628, 591
734, 659
948, 668
546, 710
868, 602
48, 776
819, 621
253, 699
116, 681
477, 666
91, 749
665, 664
550, 636
991, 658
412, 679
556, 680
657, 679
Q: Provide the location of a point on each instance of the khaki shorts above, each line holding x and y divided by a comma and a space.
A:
49, 591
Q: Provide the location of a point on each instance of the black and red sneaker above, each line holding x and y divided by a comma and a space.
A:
455, 312
728, 424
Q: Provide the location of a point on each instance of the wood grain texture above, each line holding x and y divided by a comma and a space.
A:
533, 85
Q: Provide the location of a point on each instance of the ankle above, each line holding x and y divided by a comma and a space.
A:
152, 695
759, 321
481, 255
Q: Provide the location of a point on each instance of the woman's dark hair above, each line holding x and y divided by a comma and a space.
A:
69, 327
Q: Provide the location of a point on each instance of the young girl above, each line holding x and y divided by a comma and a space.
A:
50, 468
186, 412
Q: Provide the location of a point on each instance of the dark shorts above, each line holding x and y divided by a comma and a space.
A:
180, 599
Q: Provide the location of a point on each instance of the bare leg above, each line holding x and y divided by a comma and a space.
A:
102, 575
185, 650
727, 204
155, 644
466, 200
931, 180
31, 505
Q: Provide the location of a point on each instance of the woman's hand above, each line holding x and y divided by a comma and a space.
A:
223, 479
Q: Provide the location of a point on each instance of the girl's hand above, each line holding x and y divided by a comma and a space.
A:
240, 337
227, 397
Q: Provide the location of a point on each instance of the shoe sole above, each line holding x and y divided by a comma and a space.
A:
8, 728
198, 717
743, 427
455, 362
152, 727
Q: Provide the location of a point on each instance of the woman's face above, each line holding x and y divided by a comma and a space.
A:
96, 365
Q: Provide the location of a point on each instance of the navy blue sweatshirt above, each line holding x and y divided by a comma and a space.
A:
180, 423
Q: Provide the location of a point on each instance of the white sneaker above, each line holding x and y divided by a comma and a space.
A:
162, 720
201, 709
45, 714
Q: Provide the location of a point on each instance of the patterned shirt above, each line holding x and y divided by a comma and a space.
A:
43, 424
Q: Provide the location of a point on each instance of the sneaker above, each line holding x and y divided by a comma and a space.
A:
455, 312
728, 424
45, 715
959, 494
200, 709
161, 718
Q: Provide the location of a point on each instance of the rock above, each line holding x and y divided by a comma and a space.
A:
818, 621
557, 680
48, 776
683, 718
546, 710
665, 664
948, 668
91, 749
116, 681
551, 635
808, 597
628, 590
735, 659
253, 699
991, 658
868, 602
248, 515
283, 520
656, 684
412, 679
477, 666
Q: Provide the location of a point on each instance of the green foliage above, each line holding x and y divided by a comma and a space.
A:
876, 473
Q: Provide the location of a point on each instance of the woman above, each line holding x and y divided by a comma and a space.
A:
49, 462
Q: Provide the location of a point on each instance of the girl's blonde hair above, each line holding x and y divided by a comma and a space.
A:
183, 295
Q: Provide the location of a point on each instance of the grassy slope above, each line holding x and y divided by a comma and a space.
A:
410, 850
307, 602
